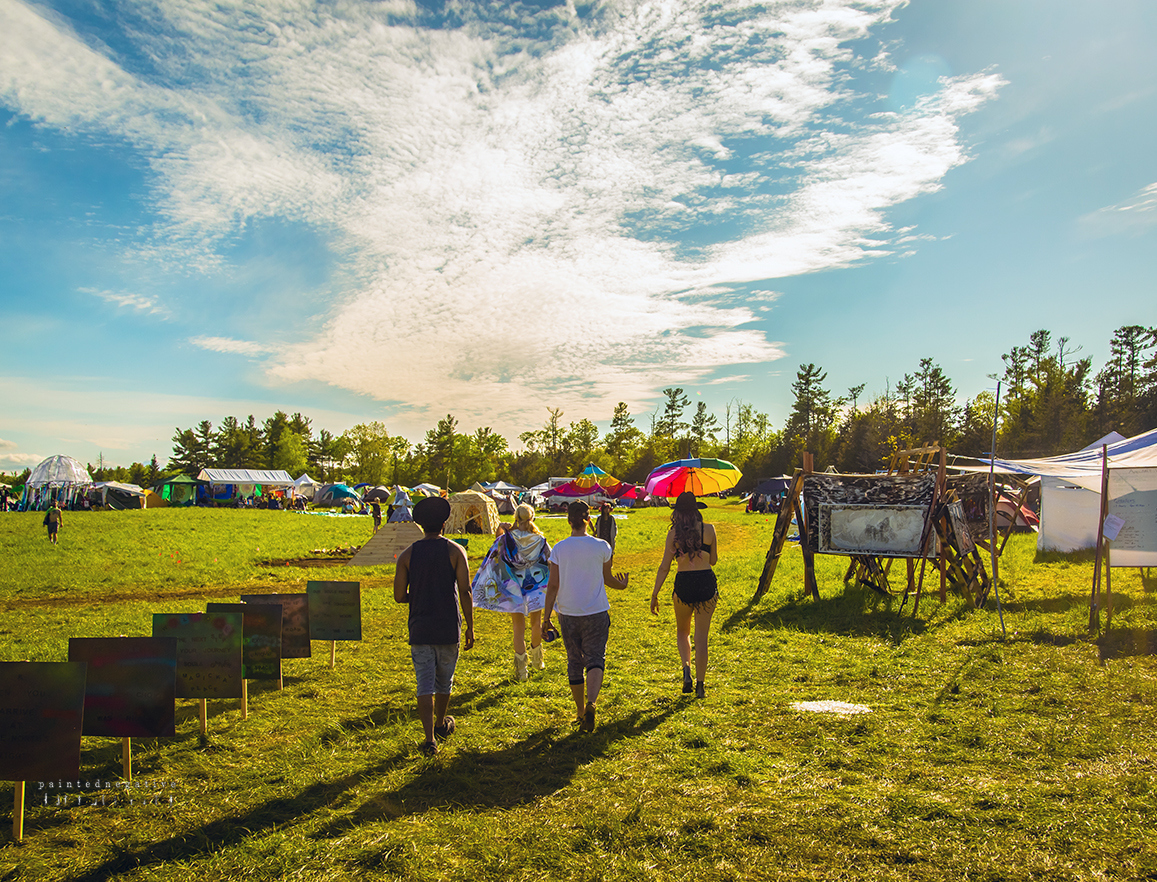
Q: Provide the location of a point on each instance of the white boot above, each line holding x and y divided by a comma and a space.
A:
520, 666
536, 658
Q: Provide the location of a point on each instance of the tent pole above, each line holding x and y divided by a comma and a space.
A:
1094, 600
992, 511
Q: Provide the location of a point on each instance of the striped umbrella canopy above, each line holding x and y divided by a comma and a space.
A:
700, 476
593, 476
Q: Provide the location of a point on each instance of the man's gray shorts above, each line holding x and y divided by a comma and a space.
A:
585, 638
434, 665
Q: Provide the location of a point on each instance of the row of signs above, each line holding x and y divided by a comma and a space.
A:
125, 687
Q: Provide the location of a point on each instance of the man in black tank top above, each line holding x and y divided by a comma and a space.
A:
433, 577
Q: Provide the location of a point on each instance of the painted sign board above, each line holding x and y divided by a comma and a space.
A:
208, 652
261, 640
335, 610
294, 621
131, 685
41, 719
867, 514
1133, 499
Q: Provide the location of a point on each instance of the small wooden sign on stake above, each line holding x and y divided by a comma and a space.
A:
335, 613
41, 708
208, 655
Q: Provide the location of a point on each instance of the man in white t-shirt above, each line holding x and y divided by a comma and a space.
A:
580, 566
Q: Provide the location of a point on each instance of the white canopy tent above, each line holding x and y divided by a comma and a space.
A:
244, 482
305, 486
1071, 486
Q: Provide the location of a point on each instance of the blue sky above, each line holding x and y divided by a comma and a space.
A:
396, 210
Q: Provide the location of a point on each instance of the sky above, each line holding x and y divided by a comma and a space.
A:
396, 210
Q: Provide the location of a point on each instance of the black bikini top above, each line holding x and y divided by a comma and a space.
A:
703, 546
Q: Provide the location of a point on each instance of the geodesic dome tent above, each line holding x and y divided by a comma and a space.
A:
58, 477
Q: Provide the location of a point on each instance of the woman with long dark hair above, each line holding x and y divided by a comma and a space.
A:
605, 527
692, 545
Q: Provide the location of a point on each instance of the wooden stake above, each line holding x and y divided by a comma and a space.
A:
779, 536
245, 699
332, 654
1108, 586
204, 717
18, 813
127, 759
937, 495
809, 561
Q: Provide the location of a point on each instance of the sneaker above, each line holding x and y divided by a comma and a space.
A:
446, 729
429, 748
588, 723
700, 690
687, 685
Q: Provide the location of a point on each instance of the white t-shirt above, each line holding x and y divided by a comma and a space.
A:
580, 562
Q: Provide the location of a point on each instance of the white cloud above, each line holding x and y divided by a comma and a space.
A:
1135, 214
12, 460
18, 462
225, 344
138, 302
529, 220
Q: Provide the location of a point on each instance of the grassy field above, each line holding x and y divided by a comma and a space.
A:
982, 757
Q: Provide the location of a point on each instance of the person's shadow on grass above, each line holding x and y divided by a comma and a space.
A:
536, 766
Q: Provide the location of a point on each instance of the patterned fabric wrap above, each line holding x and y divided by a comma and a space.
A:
512, 578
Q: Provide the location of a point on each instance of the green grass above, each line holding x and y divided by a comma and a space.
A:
1030, 757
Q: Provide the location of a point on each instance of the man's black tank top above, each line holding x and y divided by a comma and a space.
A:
433, 593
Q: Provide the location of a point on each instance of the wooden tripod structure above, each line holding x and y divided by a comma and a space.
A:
957, 559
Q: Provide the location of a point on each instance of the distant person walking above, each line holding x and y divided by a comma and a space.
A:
694, 547
605, 527
580, 567
53, 519
433, 577
376, 511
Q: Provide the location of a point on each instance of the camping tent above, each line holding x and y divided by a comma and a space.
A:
118, 496
335, 495
472, 512
378, 494
179, 491
1071, 487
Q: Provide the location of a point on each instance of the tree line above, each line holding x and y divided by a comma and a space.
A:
1051, 402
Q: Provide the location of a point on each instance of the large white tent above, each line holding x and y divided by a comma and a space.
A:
229, 483
58, 477
58, 471
1071, 486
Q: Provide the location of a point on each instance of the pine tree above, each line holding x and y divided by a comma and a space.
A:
704, 427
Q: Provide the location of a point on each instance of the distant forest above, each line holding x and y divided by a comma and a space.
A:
1051, 402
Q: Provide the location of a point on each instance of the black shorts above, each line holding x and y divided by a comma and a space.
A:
696, 587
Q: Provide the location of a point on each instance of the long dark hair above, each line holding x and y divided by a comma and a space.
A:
688, 527
604, 524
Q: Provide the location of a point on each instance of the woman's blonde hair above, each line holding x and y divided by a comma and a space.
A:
524, 519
